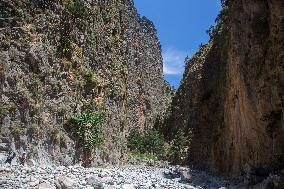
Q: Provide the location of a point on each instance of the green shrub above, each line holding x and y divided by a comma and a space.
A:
78, 13
75, 15
221, 24
86, 126
3, 110
142, 156
91, 80
150, 142
135, 141
66, 64
179, 147
154, 142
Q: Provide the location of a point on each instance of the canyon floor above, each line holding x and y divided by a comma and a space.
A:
109, 177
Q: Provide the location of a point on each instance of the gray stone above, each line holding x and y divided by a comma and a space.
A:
66, 183
128, 186
171, 174
95, 182
4, 147
31, 162
185, 176
89, 187
46, 186
5, 140
34, 183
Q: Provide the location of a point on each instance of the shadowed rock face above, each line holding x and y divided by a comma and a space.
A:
48, 51
231, 95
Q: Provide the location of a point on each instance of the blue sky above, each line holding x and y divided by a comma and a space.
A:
181, 26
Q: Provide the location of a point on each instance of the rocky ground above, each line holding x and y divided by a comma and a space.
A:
125, 177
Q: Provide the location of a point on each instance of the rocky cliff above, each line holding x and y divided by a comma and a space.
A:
231, 95
58, 56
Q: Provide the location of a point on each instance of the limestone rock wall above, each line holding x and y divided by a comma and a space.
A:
231, 95
49, 52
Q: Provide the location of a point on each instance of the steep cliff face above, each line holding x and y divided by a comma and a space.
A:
57, 56
147, 100
231, 95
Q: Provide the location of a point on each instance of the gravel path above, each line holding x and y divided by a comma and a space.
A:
125, 177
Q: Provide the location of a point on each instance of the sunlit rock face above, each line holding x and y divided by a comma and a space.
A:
57, 56
231, 95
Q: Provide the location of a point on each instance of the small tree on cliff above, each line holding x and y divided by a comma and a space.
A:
179, 147
85, 126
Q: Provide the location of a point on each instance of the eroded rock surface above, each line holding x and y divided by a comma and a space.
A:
57, 56
231, 95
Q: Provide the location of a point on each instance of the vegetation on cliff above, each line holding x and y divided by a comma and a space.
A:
153, 144
57, 56
86, 128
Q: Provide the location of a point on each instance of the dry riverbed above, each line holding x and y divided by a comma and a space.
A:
111, 177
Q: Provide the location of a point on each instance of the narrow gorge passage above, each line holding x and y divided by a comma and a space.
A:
84, 102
